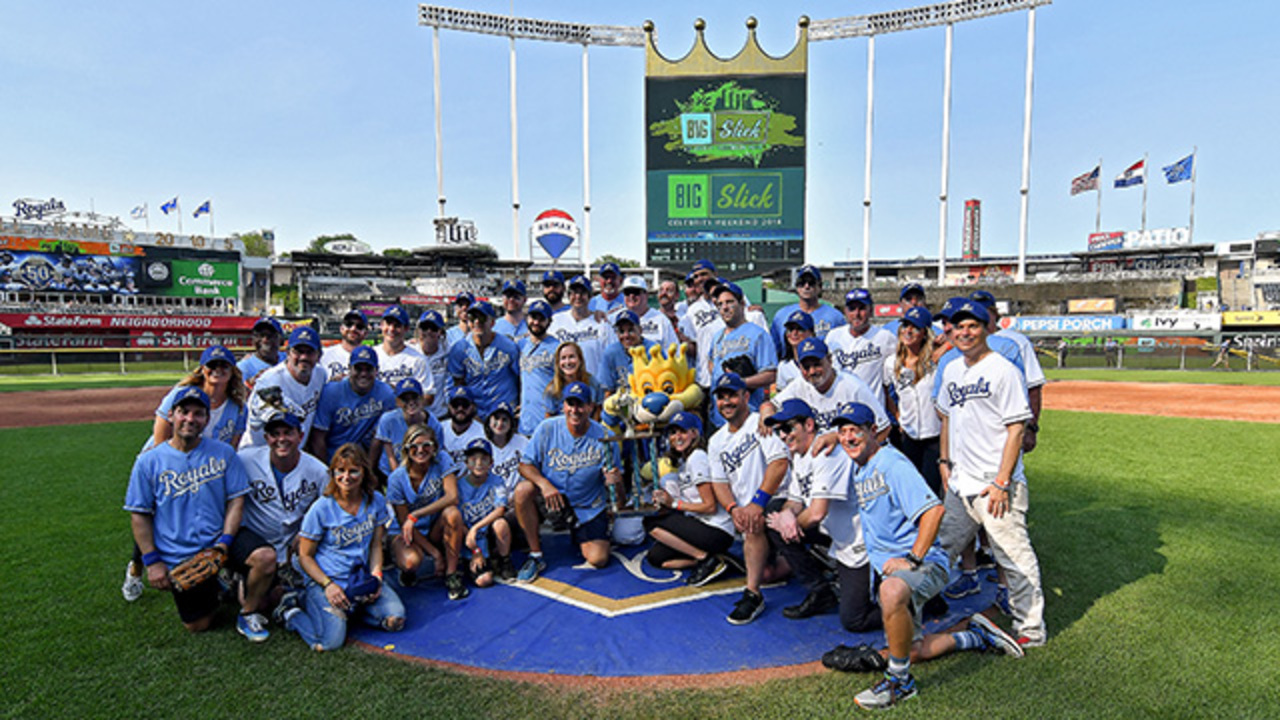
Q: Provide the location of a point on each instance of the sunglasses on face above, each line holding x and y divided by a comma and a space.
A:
356, 325
422, 447
786, 429
213, 366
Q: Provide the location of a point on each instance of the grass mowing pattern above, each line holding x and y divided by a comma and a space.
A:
1156, 538
1195, 377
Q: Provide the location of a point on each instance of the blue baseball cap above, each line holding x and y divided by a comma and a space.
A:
461, 393
287, 418
973, 309
690, 279
504, 407
950, 306
727, 286
729, 381
855, 414
704, 265
808, 270
580, 281
811, 348
484, 307
408, 386
685, 421
478, 445
982, 296
627, 316
464, 298
552, 276
911, 289
271, 322
217, 353
790, 410
304, 336
191, 393
364, 355
354, 314
431, 317
800, 318
610, 267
539, 307
577, 391
514, 286
918, 316
858, 295
395, 313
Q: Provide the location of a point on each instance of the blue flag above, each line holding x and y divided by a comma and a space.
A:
1180, 170
169, 206
205, 208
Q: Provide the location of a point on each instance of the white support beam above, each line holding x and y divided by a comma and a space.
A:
530, 28
914, 18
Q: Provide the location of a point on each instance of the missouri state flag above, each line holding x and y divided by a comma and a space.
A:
205, 208
1087, 181
1134, 175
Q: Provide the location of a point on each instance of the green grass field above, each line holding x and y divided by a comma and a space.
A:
15, 383
1156, 536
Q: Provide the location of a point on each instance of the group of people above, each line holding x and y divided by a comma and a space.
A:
863, 460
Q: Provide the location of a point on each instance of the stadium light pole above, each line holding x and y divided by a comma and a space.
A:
946, 159
586, 167
866, 177
435, 88
1026, 146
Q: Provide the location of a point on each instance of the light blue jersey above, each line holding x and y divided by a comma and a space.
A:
825, 318
493, 375
342, 539
349, 417
574, 465
400, 491
475, 502
503, 326
251, 366
892, 495
186, 494
599, 304
225, 423
747, 339
537, 370
618, 365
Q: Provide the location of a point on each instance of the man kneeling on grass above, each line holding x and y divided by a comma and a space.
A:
900, 519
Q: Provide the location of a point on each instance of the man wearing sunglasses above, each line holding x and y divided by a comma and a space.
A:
336, 358
293, 386
824, 390
809, 290
349, 411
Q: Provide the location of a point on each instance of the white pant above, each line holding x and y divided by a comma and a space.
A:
1011, 546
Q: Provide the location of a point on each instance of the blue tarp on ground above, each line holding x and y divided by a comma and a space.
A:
609, 622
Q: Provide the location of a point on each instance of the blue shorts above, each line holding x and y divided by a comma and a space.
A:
597, 528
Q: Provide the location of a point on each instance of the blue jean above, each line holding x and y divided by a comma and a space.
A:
324, 627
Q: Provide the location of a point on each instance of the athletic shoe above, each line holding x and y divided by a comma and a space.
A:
253, 626
132, 587
995, 638
748, 608
1002, 600
1026, 642
888, 692
708, 568
457, 587
288, 602
985, 560
503, 569
861, 658
530, 569
818, 601
964, 587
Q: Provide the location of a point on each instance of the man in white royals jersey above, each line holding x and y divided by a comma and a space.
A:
653, 324
579, 324
859, 347
397, 359
336, 359
293, 386
1031, 369
825, 390
984, 411
747, 470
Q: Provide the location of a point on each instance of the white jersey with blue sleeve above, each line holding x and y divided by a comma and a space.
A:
277, 501
342, 539
186, 494
574, 465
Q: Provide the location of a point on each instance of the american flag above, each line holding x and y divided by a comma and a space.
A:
1086, 182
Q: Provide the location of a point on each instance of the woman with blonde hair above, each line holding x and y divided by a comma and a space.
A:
910, 374
423, 493
570, 367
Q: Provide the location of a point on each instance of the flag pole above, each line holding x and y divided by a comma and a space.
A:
1144, 192
146, 214
210, 221
1191, 228
1097, 221
178, 207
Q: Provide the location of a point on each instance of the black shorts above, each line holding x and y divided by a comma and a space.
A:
596, 528
707, 538
202, 600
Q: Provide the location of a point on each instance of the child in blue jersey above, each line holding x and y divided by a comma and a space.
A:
507, 446
389, 436
423, 493
482, 500
349, 410
340, 552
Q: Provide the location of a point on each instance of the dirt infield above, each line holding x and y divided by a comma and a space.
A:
1219, 402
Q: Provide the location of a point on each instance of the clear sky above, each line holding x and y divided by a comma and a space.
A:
315, 118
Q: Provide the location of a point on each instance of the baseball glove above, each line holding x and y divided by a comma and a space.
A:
198, 568
854, 659
740, 364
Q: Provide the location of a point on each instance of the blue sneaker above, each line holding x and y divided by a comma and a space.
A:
888, 692
1002, 600
964, 587
253, 626
995, 638
530, 569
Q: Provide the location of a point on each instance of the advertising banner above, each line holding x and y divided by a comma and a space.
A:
82, 266
1065, 324
725, 158
1091, 305
75, 322
1261, 317
1175, 321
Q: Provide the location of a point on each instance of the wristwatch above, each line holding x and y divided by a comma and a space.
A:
915, 561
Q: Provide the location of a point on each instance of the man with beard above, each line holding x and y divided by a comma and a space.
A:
859, 347
609, 300
537, 370
511, 323
292, 386
461, 429
553, 290
266, 350
349, 411
486, 363
809, 290
336, 359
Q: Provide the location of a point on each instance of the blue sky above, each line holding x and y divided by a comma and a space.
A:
316, 118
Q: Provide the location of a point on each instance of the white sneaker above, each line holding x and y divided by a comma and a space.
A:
132, 587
